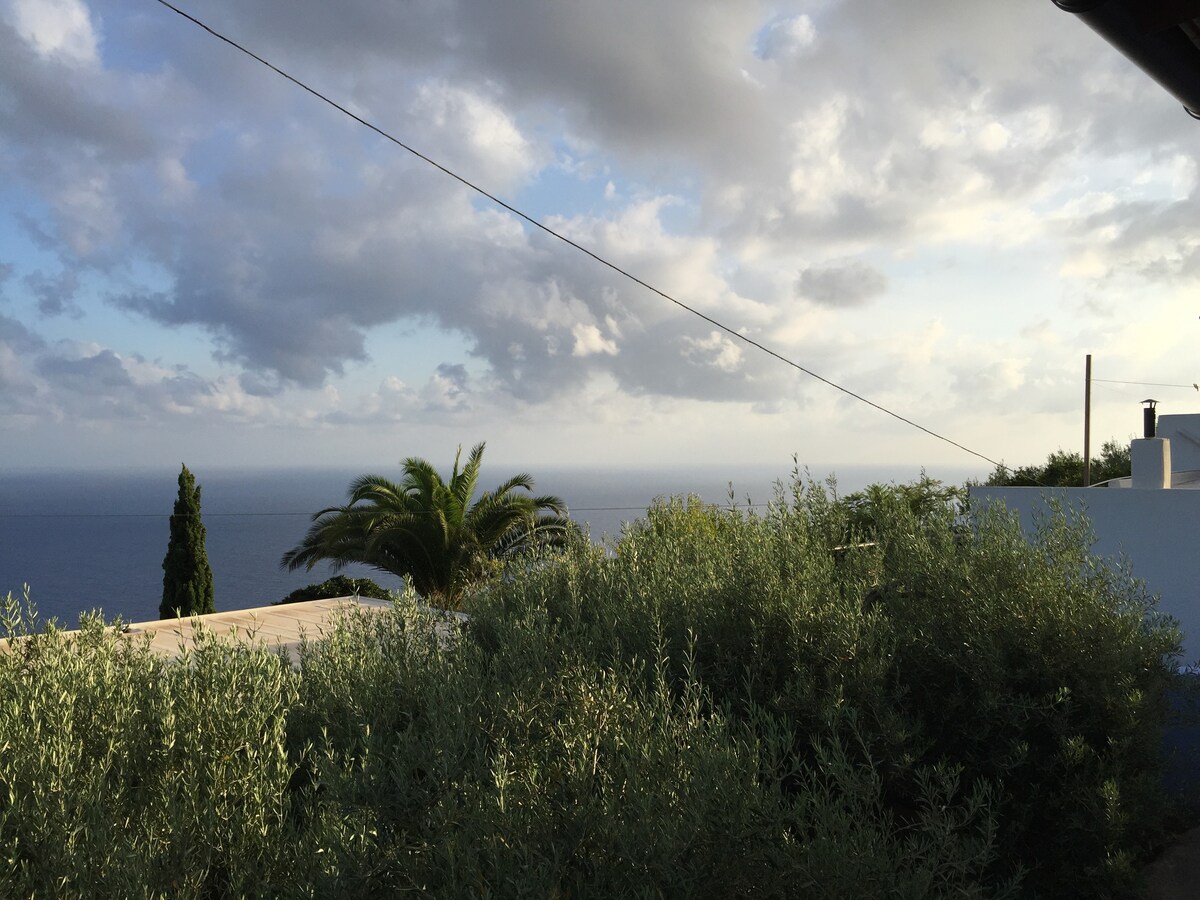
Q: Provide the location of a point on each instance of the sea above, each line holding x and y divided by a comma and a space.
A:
94, 541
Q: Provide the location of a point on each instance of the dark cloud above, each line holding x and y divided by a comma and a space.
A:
18, 337
19, 394
652, 78
1156, 239
103, 373
259, 385
48, 100
290, 279
55, 293
81, 383
86, 384
1159, 241
841, 284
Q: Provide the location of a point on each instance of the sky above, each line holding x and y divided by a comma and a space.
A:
941, 206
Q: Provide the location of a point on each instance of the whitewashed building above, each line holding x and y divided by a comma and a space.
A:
1152, 518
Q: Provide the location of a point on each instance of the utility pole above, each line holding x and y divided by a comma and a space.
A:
1087, 421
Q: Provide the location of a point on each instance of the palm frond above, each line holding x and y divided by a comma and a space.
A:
551, 502
463, 483
520, 480
432, 531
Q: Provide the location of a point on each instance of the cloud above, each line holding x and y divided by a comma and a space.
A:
732, 160
715, 350
992, 382
18, 337
88, 385
55, 294
56, 28
475, 135
448, 389
60, 119
788, 37
852, 283
1151, 235
589, 340
19, 391
97, 374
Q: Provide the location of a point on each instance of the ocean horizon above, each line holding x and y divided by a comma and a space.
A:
94, 540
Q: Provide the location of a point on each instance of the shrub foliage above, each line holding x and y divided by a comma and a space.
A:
1065, 469
337, 586
721, 704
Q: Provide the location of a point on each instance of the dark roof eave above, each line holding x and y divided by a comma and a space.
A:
1162, 39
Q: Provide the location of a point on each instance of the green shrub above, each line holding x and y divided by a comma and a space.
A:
722, 704
125, 776
528, 770
1036, 670
1063, 469
337, 586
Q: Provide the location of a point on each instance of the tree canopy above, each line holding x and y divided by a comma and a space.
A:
187, 576
869, 511
337, 586
1063, 469
433, 531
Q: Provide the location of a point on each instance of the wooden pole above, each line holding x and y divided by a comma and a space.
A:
1087, 421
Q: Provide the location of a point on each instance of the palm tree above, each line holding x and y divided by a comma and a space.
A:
429, 531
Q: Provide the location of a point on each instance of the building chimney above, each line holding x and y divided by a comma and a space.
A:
1150, 456
1149, 418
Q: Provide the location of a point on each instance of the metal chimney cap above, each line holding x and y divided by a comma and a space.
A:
1153, 403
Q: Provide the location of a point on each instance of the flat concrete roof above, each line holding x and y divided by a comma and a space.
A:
275, 627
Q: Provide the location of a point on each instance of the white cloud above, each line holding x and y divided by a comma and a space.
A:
448, 389
996, 381
819, 172
589, 340
176, 185
994, 137
714, 350
473, 134
788, 37
60, 29
89, 212
228, 396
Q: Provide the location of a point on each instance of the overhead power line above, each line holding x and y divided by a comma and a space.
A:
1194, 386
568, 241
307, 515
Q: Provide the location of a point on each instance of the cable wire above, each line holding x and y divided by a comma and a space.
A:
309, 515
1194, 386
568, 241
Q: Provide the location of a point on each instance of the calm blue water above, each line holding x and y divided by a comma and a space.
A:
96, 540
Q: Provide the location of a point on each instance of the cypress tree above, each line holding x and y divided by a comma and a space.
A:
187, 577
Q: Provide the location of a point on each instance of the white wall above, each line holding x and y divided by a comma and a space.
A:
1183, 431
1157, 531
